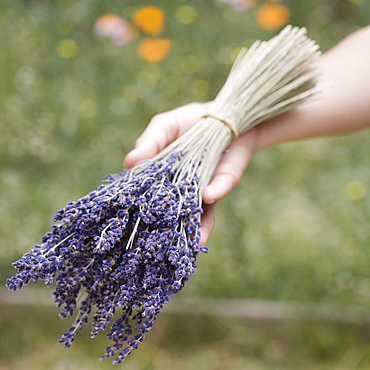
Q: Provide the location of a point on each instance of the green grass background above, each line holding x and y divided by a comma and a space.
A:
289, 232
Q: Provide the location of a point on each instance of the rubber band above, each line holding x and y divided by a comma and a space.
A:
225, 121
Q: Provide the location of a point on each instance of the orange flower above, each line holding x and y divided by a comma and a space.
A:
272, 16
150, 19
154, 50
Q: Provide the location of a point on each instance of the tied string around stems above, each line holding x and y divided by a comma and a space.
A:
225, 120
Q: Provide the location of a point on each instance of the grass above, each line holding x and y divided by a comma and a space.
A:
295, 229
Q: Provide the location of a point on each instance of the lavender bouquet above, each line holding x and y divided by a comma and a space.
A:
121, 251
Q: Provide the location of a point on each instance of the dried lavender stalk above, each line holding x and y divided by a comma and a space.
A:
128, 246
266, 80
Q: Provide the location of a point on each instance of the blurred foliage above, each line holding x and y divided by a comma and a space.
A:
186, 343
72, 105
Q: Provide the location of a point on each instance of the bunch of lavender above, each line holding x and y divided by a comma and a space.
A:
122, 250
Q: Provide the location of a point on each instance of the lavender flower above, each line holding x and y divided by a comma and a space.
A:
125, 247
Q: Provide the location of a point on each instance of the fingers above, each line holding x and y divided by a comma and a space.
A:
208, 222
227, 175
163, 129
231, 168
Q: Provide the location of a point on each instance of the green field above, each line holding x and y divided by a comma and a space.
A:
295, 230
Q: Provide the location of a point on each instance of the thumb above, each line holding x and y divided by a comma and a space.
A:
231, 168
146, 149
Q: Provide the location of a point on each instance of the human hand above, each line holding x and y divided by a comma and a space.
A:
166, 127
343, 107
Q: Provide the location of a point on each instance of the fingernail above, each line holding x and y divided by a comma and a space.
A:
136, 153
208, 196
135, 150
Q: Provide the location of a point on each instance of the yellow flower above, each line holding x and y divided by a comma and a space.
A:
150, 19
154, 50
272, 16
355, 190
67, 48
186, 14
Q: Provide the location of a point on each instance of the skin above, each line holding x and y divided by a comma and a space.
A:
342, 107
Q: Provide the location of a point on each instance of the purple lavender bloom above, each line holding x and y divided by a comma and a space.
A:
126, 246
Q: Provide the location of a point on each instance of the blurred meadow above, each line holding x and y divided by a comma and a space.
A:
80, 80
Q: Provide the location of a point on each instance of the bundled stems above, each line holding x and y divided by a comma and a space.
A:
266, 80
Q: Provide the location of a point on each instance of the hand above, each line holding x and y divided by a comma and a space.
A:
343, 107
166, 127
